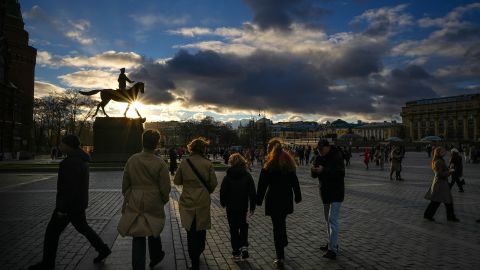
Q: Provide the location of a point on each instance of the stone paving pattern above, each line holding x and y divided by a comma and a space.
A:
381, 224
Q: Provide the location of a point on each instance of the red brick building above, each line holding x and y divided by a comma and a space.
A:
17, 74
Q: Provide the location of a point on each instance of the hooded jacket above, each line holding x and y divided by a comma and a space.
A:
73, 181
237, 190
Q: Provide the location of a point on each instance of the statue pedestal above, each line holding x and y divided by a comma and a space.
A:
116, 138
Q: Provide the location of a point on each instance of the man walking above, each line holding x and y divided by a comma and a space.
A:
72, 200
330, 170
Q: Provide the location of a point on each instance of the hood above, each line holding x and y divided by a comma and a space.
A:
236, 171
80, 154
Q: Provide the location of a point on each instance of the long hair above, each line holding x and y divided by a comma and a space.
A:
277, 158
437, 154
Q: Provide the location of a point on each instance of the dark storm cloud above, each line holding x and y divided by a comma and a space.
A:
279, 83
358, 61
280, 14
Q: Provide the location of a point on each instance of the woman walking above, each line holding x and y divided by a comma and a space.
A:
278, 184
439, 191
197, 176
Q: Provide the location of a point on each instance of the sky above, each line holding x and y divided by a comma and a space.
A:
289, 60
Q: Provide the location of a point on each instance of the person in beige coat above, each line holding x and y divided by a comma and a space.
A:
439, 191
146, 189
197, 176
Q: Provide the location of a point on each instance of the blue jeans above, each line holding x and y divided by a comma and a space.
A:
331, 212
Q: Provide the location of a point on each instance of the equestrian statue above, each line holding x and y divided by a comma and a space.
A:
121, 95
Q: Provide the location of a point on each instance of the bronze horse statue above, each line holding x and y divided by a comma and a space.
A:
128, 96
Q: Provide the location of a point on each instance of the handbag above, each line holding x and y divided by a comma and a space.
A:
462, 181
198, 174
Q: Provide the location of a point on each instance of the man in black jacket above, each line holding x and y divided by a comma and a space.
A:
330, 170
72, 200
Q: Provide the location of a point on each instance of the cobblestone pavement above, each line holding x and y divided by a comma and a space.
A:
381, 224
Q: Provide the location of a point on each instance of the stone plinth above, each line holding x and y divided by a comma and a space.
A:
116, 138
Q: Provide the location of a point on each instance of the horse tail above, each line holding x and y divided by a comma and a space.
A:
89, 93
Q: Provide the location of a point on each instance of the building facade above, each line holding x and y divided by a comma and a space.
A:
380, 131
17, 73
452, 118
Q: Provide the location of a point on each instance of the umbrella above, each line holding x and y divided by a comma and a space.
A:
393, 139
431, 139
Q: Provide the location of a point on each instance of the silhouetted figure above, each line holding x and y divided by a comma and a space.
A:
123, 79
439, 191
278, 184
71, 202
237, 193
330, 171
456, 164
173, 160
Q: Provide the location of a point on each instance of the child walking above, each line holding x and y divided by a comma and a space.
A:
236, 193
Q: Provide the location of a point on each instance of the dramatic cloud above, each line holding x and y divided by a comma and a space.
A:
110, 59
281, 14
98, 79
384, 21
453, 38
267, 81
45, 88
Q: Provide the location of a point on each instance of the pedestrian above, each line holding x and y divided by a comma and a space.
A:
71, 203
330, 171
146, 189
173, 160
53, 153
439, 191
396, 163
366, 157
277, 180
456, 164
197, 176
237, 192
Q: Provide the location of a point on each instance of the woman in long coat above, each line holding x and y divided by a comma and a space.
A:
278, 180
146, 189
439, 191
197, 176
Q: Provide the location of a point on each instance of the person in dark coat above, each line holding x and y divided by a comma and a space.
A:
439, 191
456, 163
278, 184
72, 200
173, 160
330, 171
236, 193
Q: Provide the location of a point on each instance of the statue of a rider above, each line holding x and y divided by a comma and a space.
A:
122, 80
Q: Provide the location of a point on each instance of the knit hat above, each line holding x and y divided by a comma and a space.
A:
72, 141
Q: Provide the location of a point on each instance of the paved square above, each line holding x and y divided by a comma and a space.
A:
381, 224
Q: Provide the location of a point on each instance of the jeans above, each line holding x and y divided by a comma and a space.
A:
332, 212
280, 238
139, 250
237, 221
55, 228
196, 243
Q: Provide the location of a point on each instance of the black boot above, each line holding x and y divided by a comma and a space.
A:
40, 266
102, 254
